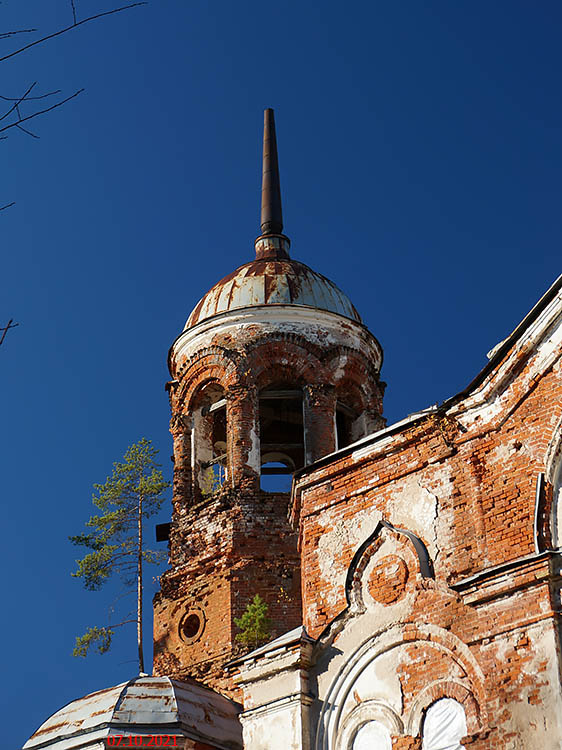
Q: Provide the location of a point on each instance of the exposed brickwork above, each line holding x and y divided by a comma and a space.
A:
226, 550
466, 486
387, 582
406, 743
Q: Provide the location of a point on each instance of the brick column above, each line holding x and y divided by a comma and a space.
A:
182, 488
242, 435
319, 421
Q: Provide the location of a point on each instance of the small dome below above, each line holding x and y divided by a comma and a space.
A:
272, 282
144, 705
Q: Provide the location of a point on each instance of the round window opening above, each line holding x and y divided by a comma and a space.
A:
191, 626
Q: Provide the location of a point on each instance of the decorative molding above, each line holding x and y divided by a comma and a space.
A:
366, 711
425, 563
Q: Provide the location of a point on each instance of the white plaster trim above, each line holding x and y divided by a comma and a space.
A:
553, 454
369, 710
290, 638
541, 343
305, 321
281, 704
553, 474
286, 661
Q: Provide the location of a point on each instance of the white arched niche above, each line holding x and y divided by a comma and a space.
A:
372, 736
553, 465
444, 725
557, 503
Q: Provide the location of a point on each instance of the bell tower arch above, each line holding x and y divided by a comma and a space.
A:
273, 370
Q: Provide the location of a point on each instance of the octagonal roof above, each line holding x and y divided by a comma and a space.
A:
144, 705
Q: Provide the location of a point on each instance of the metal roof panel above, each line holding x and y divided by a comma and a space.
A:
186, 708
270, 282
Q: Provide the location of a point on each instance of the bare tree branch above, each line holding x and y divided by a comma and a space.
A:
11, 323
29, 98
28, 132
10, 34
69, 28
18, 102
41, 111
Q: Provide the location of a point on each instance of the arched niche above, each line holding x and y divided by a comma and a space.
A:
444, 725
403, 554
369, 726
554, 478
372, 736
556, 514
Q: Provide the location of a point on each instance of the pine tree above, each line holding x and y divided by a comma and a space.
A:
134, 492
254, 624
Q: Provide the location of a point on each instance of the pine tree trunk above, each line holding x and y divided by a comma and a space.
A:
139, 589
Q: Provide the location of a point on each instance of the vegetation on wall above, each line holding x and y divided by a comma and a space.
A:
254, 624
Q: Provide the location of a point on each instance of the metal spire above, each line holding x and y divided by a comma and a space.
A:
271, 214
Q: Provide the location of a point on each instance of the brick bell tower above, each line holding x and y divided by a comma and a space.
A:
272, 371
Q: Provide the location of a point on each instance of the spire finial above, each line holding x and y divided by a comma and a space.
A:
271, 244
271, 215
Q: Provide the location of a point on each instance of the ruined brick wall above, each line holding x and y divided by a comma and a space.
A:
228, 549
484, 629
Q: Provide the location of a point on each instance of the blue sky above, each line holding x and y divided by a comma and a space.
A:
420, 159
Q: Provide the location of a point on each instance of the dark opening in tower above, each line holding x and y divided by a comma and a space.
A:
281, 436
209, 441
345, 421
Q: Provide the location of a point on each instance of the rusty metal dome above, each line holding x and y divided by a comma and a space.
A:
143, 706
272, 282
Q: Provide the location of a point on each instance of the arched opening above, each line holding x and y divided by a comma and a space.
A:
351, 423
444, 725
281, 432
372, 736
208, 441
346, 417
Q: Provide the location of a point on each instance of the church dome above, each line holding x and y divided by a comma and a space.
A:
272, 281
144, 705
